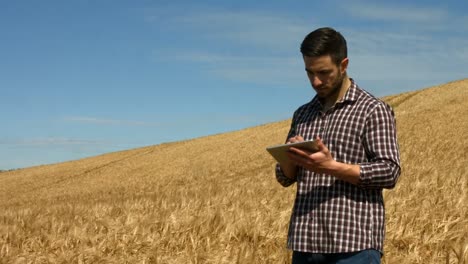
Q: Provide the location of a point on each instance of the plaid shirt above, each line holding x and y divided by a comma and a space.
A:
330, 215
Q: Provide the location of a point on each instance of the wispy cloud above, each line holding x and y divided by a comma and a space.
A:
21, 152
404, 42
175, 121
273, 38
258, 69
101, 121
410, 43
52, 141
253, 29
410, 18
249, 28
387, 11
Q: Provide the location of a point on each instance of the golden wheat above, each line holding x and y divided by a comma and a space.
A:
215, 199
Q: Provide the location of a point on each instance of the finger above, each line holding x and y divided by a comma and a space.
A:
322, 152
293, 158
296, 158
321, 146
299, 152
295, 139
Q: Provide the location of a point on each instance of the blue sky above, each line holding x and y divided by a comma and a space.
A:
82, 78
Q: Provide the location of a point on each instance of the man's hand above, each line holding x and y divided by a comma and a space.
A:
322, 162
295, 139
289, 168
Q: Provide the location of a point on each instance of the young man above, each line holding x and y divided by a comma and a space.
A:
338, 214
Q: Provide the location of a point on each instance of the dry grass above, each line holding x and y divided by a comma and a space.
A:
199, 202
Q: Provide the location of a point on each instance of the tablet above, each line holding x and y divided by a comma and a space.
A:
279, 151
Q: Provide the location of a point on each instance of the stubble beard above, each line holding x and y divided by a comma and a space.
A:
336, 87
338, 84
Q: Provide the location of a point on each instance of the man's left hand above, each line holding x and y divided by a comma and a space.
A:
320, 161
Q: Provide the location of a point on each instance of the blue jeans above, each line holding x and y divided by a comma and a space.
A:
369, 256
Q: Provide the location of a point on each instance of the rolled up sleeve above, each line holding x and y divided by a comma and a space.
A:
280, 177
284, 180
380, 142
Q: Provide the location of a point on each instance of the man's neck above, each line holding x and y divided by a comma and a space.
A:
331, 100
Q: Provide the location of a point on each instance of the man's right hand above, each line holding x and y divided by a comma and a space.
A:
295, 139
289, 168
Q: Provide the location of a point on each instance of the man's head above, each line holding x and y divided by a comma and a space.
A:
325, 41
325, 57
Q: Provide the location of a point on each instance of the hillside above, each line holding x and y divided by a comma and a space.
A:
215, 199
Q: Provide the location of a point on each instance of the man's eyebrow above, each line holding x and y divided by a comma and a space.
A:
321, 70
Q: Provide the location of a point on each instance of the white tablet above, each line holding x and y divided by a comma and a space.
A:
279, 151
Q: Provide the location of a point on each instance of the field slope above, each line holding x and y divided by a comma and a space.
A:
215, 200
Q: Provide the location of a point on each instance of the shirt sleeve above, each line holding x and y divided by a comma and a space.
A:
380, 142
280, 177
284, 180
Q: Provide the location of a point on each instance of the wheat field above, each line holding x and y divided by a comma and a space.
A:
215, 199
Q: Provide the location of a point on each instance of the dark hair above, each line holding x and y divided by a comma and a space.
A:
325, 41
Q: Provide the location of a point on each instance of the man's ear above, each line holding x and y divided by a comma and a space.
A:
344, 65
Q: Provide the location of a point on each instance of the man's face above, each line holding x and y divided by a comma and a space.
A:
324, 75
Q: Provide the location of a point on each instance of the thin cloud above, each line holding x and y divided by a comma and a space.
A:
256, 30
275, 40
181, 122
395, 13
253, 29
100, 121
405, 48
52, 141
257, 69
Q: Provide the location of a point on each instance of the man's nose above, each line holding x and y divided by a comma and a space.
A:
316, 81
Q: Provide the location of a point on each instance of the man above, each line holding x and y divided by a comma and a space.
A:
338, 214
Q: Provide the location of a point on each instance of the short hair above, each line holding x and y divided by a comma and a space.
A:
325, 41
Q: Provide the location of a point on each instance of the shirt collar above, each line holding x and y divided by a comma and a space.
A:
350, 96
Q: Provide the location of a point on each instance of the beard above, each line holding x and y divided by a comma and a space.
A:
334, 88
337, 84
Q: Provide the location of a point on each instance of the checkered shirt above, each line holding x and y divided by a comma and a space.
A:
330, 215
